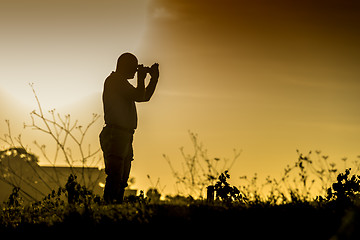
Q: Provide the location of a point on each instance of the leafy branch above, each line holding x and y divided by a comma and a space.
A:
198, 169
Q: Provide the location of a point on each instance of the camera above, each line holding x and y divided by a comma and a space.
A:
146, 69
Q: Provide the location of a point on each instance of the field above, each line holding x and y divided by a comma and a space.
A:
74, 209
207, 205
300, 219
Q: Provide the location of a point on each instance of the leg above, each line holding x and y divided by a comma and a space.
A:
123, 174
109, 190
126, 172
118, 154
118, 171
113, 170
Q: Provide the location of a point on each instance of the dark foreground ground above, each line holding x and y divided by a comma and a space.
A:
239, 221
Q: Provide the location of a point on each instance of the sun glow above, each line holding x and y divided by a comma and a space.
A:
68, 55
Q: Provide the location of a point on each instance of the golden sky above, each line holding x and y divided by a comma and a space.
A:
267, 77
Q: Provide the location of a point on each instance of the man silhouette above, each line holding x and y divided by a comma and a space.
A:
120, 116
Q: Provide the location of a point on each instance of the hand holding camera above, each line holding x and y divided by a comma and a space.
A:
142, 71
153, 71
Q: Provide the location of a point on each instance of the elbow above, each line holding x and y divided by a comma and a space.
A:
144, 99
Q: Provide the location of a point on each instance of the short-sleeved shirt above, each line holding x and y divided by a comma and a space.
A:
119, 105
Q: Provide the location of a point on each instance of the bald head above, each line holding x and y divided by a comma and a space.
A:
127, 65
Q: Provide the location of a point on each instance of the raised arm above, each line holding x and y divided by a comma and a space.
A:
140, 88
136, 93
149, 91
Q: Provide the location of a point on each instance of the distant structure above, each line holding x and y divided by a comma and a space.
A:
18, 168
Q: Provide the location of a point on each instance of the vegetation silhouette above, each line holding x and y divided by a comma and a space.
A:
289, 204
74, 205
198, 170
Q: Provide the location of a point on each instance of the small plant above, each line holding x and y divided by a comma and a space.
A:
346, 188
140, 199
153, 195
14, 198
76, 193
225, 192
198, 169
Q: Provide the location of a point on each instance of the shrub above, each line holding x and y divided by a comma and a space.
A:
345, 189
226, 193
